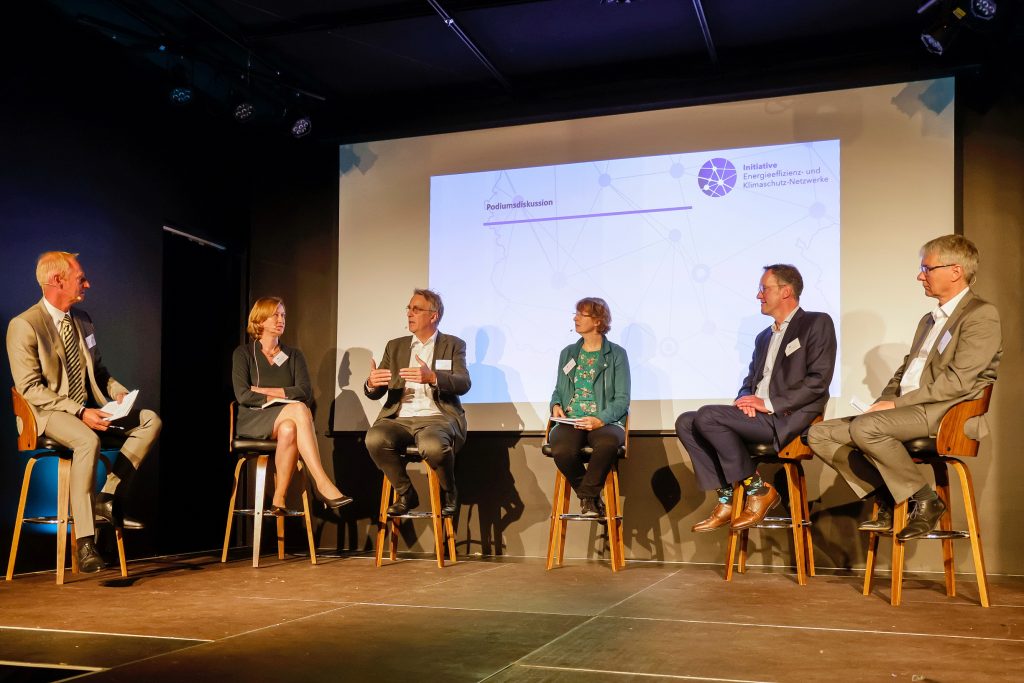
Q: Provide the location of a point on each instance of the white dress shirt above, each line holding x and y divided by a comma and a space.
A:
911, 379
418, 400
778, 332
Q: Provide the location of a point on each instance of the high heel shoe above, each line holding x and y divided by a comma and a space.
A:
332, 503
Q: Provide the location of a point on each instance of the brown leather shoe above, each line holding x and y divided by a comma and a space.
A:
756, 508
720, 516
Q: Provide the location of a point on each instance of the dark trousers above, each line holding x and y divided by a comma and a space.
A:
715, 438
566, 442
436, 438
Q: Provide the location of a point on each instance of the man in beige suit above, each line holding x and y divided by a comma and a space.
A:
57, 367
954, 356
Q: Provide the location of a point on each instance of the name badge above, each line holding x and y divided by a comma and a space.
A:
280, 358
443, 364
944, 342
569, 366
90, 341
792, 346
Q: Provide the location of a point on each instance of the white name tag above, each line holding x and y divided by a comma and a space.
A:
569, 366
944, 342
90, 341
443, 365
792, 346
280, 358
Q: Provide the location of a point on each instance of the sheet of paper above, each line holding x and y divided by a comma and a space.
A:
119, 410
860, 405
275, 401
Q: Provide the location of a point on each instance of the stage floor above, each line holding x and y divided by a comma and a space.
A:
195, 619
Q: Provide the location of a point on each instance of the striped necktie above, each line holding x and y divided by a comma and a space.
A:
76, 380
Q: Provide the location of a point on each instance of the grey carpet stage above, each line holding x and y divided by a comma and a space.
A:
193, 618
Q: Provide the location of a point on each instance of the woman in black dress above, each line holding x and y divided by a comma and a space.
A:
272, 388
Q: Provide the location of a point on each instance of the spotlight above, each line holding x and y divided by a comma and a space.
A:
243, 111
181, 94
983, 9
301, 125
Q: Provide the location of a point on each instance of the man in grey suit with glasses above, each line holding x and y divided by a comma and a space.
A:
954, 356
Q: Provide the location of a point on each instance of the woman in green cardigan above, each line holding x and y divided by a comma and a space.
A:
592, 390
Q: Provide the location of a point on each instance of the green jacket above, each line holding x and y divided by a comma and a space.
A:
611, 384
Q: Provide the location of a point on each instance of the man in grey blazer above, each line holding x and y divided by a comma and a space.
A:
954, 356
57, 366
422, 376
785, 389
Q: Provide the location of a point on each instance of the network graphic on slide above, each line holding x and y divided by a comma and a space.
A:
675, 244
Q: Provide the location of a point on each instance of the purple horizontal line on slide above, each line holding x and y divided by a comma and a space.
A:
590, 215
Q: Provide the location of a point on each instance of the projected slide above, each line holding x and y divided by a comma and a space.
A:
675, 244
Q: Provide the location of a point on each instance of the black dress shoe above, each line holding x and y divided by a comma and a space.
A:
334, 503
406, 501
451, 503
589, 507
881, 524
924, 518
89, 559
109, 511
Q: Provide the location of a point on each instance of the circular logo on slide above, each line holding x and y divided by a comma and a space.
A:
717, 177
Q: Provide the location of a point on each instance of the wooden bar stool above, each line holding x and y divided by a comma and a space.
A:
799, 521
443, 527
560, 516
260, 451
43, 447
941, 452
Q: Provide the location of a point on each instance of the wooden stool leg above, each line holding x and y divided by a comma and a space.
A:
231, 511
796, 513
946, 524
555, 522
449, 529
382, 519
899, 520
563, 509
613, 530
20, 517
618, 517
869, 567
257, 519
63, 513
808, 541
435, 514
973, 527
734, 536
307, 518
120, 552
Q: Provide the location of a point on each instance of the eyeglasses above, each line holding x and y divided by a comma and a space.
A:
416, 310
761, 288
927, 269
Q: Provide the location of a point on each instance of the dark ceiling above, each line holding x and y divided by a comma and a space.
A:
373, 68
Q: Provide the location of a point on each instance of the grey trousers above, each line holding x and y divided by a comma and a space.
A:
867, 450
84, 443
438, 439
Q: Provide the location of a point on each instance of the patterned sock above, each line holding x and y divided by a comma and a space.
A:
724, 494
754, 485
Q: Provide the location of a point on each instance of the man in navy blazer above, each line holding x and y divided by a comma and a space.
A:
423, 376
785, 389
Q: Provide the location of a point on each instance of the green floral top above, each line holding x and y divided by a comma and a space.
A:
583, 402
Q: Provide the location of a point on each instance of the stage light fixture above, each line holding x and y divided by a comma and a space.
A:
983, 9
301, 125
181, 94
181, 85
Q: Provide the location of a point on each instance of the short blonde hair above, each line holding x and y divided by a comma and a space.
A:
955, 249
53, 262
261, 310
598, 309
